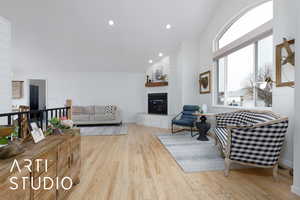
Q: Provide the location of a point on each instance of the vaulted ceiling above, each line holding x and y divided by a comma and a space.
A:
74, 35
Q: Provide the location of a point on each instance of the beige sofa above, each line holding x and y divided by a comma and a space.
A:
94, 115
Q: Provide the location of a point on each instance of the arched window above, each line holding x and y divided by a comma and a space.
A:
244, 59
246, 23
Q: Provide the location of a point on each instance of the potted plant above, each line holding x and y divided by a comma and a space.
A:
56, 127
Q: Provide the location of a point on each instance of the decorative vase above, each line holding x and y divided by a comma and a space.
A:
204, 108
57, 131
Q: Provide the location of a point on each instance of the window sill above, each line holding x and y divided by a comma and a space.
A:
240, 107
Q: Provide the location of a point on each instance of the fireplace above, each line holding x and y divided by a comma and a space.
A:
158, 103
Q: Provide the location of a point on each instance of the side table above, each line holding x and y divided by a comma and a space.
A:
202, 125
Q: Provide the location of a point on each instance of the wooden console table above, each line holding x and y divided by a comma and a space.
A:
63, 156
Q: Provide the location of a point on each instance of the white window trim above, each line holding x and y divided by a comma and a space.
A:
242, 107
227, 26
253, 36
216, 82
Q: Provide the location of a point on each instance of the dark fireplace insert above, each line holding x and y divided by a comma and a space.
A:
158, 103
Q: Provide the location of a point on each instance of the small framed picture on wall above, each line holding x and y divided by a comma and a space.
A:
205, 82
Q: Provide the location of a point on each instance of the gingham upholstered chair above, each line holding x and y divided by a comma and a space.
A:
252, 138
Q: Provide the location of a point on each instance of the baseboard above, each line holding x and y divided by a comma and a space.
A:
296, 190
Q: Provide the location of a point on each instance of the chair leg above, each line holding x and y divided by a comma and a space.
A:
172, 128
275, 172
227, 167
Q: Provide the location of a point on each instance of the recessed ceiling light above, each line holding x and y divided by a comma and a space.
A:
160, 54
111, 22
168, 26
150, 61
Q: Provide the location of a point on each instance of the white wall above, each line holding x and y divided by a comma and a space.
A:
296, 186
197, 58
5, 66
84, 88
284, 97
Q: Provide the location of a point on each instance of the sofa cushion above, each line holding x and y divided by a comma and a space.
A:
193, 108
99, 110
222, 135
110, 109
184, 122
77, 110
262, 117
103, 117
81, 117
226, 119
235, 119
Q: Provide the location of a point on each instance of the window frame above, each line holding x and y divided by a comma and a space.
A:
255, 69
253, 37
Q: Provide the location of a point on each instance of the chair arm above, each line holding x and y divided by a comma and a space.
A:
259, 144
176, 116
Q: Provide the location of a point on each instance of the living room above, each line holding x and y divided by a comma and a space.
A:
149, 63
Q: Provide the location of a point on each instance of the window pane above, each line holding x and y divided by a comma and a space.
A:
264, 72
240, 82
221, 82
248, 22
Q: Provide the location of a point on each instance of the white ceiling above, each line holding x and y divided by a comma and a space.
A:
74, 35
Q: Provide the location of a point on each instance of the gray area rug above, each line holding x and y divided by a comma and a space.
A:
104, 130
193, 155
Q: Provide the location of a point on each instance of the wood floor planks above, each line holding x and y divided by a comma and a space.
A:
137, 167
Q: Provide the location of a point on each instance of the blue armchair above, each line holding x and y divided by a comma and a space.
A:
186, 118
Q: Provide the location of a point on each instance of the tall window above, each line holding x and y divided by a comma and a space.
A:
244, 60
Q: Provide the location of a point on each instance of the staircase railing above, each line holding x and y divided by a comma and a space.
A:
40, 116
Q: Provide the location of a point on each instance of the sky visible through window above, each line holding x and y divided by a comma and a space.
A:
248, 22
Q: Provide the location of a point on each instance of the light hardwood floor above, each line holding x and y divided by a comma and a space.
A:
137, 167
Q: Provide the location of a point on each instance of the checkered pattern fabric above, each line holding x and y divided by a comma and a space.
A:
110, 110
222, 135
252, 141
235, 119
260, 145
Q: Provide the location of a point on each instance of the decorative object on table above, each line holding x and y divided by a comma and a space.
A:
13, 148
186, 118
25, 131
8, 133
204, 108
10, 145
57, 126
205, 82
6, 130
285, 63
147, 79
36, 132
203, 126
237, 132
